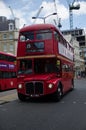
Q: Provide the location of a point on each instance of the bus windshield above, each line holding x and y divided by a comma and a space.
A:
25, 67
41, 66
46, 66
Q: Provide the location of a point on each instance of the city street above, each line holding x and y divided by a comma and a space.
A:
43, 52
43, 114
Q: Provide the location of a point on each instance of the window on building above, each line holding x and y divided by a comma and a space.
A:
4, 36
81, 43
11, 26
11, 47
10, 36
85, 54
80, 53
5, 47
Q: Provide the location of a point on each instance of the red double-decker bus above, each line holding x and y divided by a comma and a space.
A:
44, 62
8, 71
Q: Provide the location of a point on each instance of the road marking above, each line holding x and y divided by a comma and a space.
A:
62, 102
74, 102
8, 98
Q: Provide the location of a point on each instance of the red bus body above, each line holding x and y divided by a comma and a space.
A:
8, 78
44, 62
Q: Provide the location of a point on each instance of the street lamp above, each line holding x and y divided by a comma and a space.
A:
44, 17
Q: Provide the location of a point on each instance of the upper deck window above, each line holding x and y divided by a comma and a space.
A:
24, 36
43, 34
39, 35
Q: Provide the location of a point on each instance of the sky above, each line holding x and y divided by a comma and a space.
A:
26, 9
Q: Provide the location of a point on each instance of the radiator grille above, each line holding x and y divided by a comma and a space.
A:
34, 88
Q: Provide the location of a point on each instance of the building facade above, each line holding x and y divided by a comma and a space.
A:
9, 30
8, 41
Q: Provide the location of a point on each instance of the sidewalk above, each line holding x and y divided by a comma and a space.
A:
7, 96
80, 78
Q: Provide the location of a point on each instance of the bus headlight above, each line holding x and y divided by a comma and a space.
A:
50, 86
20, 86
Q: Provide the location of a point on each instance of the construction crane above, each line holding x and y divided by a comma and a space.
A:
72, 7
58, 23
12, 12
37, 14
15, 19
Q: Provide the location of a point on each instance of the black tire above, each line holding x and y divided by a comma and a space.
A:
21, 97
58, 94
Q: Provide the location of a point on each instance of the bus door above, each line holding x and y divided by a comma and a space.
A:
65, 77
2, 81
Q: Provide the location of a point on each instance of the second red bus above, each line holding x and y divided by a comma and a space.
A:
8, 78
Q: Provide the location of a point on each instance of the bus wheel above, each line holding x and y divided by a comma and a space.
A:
58, 94
21, 97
